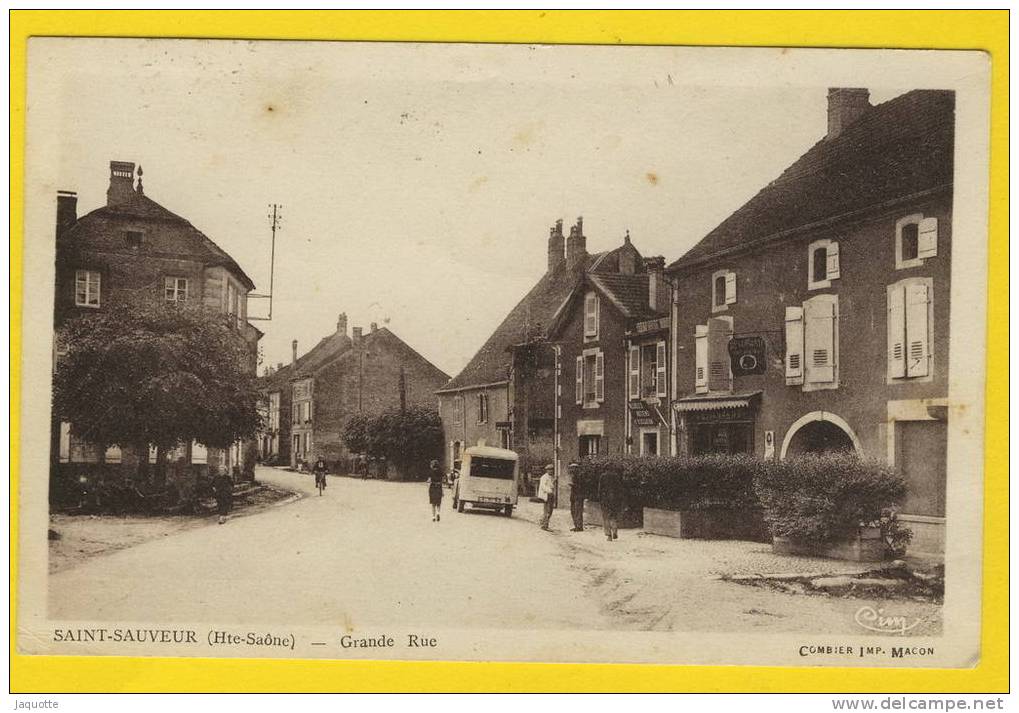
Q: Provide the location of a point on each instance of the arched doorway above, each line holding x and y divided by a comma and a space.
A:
819, 432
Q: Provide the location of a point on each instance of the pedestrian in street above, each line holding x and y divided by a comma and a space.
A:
223, 487
610, 497
577, 496
320, 471
362, 466
546, 492
435, 489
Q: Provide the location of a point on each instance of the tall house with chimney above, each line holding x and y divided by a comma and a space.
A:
309, 401
815, 317
129, 249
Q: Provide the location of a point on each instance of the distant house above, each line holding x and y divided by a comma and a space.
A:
309, 401
816, 316
133, 247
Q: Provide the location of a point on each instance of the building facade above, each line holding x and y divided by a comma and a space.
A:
815, 318
342, 376
130, 249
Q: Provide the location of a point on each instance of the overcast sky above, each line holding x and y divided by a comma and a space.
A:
418, 182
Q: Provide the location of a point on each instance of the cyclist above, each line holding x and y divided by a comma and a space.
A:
320, 471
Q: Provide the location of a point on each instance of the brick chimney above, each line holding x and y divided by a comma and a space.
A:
556, 245
67, 210
658, 296
576, 244
341, 324
845, 106
357, 334
293, 352
121, 188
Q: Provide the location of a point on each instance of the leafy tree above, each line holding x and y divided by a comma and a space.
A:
355, 434
408, 438
155, 372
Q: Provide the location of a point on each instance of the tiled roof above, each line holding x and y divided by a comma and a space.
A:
530, 319
629, 293
894, 150
100, 230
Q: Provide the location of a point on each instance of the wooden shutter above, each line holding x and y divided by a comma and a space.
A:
580, 380
896, 332
833, 260
927, 238
591, 315
917, 341
599, 377
793, 345
634, 372
701, 358
819, 340
719, 372
661, 373
730, 288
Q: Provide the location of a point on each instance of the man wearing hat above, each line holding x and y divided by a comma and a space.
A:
546, 492
577, 497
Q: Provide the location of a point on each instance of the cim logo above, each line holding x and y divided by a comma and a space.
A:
876, 620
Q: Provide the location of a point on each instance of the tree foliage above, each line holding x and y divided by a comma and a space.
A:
406, 437
155, 372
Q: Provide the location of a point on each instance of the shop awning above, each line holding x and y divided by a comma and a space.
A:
717, 402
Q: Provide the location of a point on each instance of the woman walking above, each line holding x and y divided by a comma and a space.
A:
435, 489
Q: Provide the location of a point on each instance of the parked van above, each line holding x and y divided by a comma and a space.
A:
488, 479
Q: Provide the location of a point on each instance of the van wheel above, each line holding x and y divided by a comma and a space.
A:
508, 511
460, 506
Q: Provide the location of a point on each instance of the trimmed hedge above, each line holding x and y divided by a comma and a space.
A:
825, 498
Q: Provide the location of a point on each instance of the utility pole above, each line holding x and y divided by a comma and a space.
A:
275, 217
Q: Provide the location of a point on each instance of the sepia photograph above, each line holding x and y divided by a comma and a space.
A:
495, 352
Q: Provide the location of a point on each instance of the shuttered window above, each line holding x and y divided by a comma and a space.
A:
820, 358
723, 290
599, 377
591, 315
660, 371
916, 240
580, 380
701, 358
822, 263
927, 239
793, 345
634, 373
909, 316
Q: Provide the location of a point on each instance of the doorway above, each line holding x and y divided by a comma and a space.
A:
649, 443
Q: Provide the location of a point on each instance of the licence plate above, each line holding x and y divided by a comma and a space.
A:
489, 500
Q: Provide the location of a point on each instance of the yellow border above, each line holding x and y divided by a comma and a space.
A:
984, 30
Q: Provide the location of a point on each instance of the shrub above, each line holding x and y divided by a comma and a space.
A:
826, 498
408, 438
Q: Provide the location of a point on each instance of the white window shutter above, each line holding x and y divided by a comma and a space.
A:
896, 332
730, 288
580, 379
793, 345
634, 372
701, 358
917, 333
719, 371
833, 260
819, 340
661, 371
927, 238
599, 377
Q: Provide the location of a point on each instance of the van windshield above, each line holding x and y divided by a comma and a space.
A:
492, 468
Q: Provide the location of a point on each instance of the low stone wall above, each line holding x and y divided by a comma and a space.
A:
867, 546
707, 524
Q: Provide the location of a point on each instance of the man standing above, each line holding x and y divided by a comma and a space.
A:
546, 492
577, 496
610, 497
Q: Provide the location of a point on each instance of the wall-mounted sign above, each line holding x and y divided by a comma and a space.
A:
747, 355
641, 414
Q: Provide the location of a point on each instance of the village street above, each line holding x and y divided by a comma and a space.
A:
368, 554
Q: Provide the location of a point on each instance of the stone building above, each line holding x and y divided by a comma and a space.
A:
343, 375
126, 250
816, 316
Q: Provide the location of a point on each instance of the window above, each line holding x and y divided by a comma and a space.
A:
916, 240
711, 351
590, 378
133, 238
649, 443
811, 335
823, 263
591, 316
647, 371
86, 288
175, 289
274, 411
458, 409
482, 408
910, 310
505, 439
723, 290
296, 414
